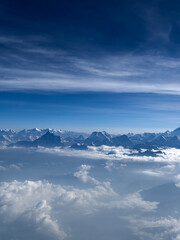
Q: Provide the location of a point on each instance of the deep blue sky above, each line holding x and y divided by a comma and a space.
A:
89, 65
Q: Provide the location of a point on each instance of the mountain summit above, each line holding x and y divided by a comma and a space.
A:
48, 140
52, 138
98, 139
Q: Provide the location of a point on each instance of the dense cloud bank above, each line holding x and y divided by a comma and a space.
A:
58, 193
118, 153
43, 206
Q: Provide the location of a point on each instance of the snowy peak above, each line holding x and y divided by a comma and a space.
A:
34, 133
160, 141
122, 140
98, 139
57, 137
176, 132
48, 140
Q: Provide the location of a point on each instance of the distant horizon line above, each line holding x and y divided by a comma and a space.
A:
95, 130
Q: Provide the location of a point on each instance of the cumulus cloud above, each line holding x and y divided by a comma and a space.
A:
135, 201
45, 224
155, 228
30, 201
45, 205
83, 174
109, 165
177, 180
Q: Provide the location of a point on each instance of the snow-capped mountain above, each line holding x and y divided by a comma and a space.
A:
47, 140
98, 139
23, 135
48, 137
122, 140
163, 141
160, 141
12, 136
176, 132
4, 140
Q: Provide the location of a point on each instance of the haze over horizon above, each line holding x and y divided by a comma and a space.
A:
110, 131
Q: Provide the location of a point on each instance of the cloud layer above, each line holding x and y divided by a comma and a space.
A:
43, 206
168, 155
156, 228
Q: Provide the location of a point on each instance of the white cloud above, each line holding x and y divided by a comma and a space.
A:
166, 170
68, 83
102, 152
131, 201
155, 228
153, 173
135, 201
38, 202
14, 166
112, 153
177, 180
45, 224
83, 174
123, 73
168, 155
109, 165
11, 166
30, 201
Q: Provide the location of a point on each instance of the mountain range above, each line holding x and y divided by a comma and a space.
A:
55, 137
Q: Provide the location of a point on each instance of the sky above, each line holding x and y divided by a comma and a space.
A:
90, 65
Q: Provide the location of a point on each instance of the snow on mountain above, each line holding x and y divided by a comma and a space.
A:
173, 142
80, 139
160, 141
29, 134
25, 137
176, 132
79, 146
34, 133
4, 140
47, 140
122, 140
98, 139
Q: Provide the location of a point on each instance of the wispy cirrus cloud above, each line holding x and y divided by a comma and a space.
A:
30, 66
